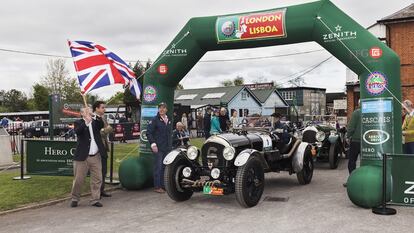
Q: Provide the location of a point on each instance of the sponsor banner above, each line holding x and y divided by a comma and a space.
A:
339, 33
263, 25
371, 55
150, 94
377, 127
175, 52
376, 83
50, 157
149, 111
340, 104
144, 146
162, 69
125, 131
403, 179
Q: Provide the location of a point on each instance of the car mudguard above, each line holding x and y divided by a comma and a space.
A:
333, 138
297, 160
243, 156
172, 155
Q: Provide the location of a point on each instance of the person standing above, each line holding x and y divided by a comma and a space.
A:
87, 157
184, 120
354, 136
234, 120
207, 123
99, 109
199, 123
408, 128
224, 120
215, 123
159, 137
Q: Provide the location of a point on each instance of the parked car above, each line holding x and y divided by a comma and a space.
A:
40, 128
14, 126
326, 143
235, 163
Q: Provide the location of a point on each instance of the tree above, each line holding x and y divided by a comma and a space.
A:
238, 81
226, 83
15, 101
118, 98
56, 77
40, 97
58, 81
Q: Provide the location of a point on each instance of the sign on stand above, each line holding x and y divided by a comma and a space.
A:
50, 157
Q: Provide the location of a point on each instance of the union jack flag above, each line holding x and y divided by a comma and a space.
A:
97, 67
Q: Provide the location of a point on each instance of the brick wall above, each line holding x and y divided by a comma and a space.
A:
401, 39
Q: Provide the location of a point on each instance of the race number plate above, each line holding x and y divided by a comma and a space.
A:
267, 142
208, 190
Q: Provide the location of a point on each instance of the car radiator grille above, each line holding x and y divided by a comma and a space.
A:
309, 136
212, 154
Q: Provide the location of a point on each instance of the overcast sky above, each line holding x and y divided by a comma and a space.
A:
136, 29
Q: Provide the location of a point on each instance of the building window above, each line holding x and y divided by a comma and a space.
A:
244, 95
289, 95
186, 97
213, 95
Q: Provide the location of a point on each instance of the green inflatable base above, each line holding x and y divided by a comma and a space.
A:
136, 172
365, 186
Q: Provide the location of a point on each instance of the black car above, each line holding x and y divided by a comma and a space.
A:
235, 163
40, 128
327, 143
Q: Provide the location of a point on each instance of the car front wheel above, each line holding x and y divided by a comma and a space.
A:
305, 176
250, 183
334, 155
173, 177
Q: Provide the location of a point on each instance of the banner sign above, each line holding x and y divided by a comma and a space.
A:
50, 157
125, 131
403, 179
148, 112
263, 25
377, 128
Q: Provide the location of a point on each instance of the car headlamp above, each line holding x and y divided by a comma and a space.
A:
228, 153
320, 136
215, 173
192, 152
187, 172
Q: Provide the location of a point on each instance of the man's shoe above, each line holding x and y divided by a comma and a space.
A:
159, 190
74, 204
97, 204
105, 194
345, 185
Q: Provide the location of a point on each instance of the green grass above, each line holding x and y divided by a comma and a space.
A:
14, 194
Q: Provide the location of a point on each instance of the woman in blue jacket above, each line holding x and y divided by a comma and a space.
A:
215, 123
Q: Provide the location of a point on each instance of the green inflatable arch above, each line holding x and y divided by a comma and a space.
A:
319, 21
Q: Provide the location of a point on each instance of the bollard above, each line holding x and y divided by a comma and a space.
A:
22, 176
383, 210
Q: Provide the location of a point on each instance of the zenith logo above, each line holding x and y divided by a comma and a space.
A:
338, 28
410, 190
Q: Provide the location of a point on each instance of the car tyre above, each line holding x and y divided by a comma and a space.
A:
334, 155
173, 176
250, 183
305, 176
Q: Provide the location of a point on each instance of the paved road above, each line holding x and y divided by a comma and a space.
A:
322, 206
